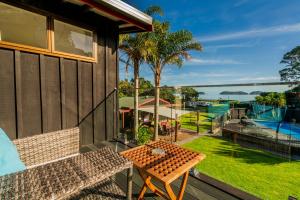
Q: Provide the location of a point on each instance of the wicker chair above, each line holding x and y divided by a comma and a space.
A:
56, 170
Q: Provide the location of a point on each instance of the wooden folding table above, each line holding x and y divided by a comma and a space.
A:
166, 168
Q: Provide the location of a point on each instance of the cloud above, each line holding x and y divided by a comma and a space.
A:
226, 46
192, 78
262, 32
198, 61
262, 78
215, 48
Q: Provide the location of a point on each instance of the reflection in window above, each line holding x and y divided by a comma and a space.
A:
72, 39
33, 27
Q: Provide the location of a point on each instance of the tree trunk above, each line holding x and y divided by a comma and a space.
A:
136, 99
156, 107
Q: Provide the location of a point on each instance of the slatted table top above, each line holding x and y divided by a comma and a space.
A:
58, 180
168, 167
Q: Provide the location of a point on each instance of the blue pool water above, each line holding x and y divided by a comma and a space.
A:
285, 128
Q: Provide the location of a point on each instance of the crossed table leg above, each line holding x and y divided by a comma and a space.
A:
169, 191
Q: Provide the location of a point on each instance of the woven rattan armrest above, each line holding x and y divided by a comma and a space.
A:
47, 147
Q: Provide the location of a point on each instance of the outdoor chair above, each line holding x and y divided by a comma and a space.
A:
57, 170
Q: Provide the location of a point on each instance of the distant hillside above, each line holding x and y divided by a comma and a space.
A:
201, 93
255, 93
233, 93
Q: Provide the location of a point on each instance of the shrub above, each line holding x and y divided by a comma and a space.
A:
144, 135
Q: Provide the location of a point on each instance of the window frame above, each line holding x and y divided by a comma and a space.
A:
52, 35
50, 50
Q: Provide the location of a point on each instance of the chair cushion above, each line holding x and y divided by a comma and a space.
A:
9, 158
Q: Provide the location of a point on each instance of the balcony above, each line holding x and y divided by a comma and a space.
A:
53, 80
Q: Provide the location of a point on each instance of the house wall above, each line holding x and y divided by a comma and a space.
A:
41, 93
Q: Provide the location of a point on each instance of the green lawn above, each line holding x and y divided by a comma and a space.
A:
189, 121
254, 171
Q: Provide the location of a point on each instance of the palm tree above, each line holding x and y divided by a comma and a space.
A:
170, 48
136, 47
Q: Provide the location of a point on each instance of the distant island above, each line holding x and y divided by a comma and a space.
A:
255, 93
233, 93
201, 93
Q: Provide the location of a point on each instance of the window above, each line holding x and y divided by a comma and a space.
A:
72, 39
28, 31
22, 27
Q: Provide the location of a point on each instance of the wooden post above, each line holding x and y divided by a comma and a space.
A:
234, 137
197, 121
176, 127
211, 127
123, 120
171, 124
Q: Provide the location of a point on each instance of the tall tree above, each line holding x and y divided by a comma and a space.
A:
170, 48
291, 59
125, 89
167, 93
146, 88
189, 93
136, 47
271, 99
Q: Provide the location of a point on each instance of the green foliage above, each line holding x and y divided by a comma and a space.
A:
126, 88
170, 47
137, 46
146, 87
291, 59
168, 94
234, 102
152, 10
254, 171
189, 94
271, 99
144, 135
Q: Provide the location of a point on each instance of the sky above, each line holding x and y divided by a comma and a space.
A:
243, 40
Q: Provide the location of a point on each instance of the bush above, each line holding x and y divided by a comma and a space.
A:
144, 135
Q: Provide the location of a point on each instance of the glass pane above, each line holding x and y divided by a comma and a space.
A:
22, 27
72, 39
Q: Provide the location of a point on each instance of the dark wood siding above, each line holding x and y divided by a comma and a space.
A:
28, 94
7, 93
85, 84
40, 93
99, 91
50, 90
111, 78
69, 93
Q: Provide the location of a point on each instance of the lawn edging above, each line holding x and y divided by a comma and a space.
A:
224, 186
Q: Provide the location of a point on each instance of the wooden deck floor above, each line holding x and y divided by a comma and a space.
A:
195, 189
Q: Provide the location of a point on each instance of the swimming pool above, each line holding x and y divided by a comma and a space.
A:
285, 128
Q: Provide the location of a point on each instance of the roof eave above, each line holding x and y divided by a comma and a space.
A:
132, 19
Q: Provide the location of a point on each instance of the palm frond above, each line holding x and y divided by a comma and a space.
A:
152, 10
